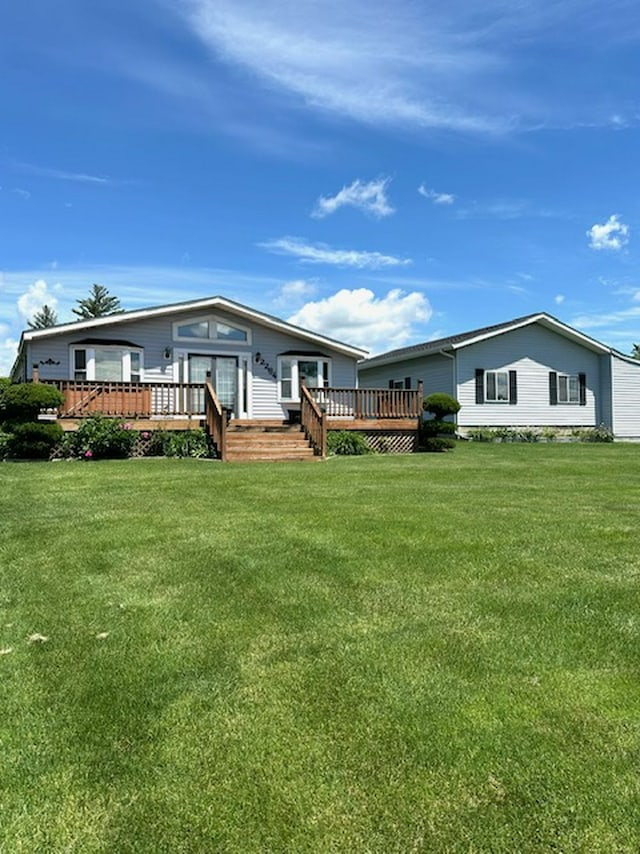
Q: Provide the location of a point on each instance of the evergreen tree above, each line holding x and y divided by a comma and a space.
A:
44, 318
98, 304
636, 351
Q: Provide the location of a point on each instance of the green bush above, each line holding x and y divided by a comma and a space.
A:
4, 444
528, 435
32, 440
24, 401
100, 438
601, 433
440, 405
481, 434
187, 443
347, 443
433, 427
438, 444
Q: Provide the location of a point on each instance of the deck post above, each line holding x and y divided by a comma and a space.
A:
35, 374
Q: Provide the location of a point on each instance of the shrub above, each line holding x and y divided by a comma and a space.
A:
186, 443
99, 437
24, 401
549, 433
440, 405
347, 443
434, 427
527, 435
4, 444
438, 444
601, 433
32, 440
481, 434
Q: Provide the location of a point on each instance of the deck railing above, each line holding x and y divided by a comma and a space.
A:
369, 403
129, 399
314, 422
215, 419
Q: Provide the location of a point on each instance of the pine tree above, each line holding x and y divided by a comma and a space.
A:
98, 304
636, 351
44, 318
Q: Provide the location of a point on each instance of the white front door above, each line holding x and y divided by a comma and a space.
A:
226, 379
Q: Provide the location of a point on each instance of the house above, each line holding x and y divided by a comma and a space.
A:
261, 387
256, 360
534, 371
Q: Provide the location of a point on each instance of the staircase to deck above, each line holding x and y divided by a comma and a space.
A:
273, 441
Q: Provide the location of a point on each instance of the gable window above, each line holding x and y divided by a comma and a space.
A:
567, 389
211, 329
105, 363
292, 370
496, 386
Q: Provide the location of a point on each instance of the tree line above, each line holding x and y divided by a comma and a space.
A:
99, 303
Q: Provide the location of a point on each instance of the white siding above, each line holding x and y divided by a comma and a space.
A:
532, 352
626, 397
435, 371
156, 334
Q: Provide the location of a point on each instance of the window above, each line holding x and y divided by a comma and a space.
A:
107, 364
293, 369
496, 386
567, 389
210, 329
400, 384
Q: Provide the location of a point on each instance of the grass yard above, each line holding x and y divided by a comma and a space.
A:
428, 653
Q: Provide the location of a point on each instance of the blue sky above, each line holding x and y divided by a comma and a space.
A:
382, 172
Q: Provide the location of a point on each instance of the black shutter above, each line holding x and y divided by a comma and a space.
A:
407, 382
553, 388
513, 387
479, 385
391, 384
582, 380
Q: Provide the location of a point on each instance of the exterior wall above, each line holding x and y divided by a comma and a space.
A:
626, 397
436, 372
532, 352
156, 334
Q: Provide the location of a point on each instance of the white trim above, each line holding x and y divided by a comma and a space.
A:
90, 368
210, 318
498, 400
544, 320
294, 358
194, 306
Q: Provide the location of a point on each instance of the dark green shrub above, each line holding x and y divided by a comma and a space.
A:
434, 427
440, 404
347, 443
33, 440
438, 444
24, 401
4, 444
99, 438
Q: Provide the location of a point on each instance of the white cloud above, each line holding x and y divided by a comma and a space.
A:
593, 321
613, 234
62, 175
319, 253
34, 298
24, 194
370, 197
436, 198
360, 318
8, 351
558, 299
294, 292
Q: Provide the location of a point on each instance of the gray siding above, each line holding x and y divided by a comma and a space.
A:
436, 372
156, 334
532, 352
626, 397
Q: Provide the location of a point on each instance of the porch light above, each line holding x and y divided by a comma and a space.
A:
167, 352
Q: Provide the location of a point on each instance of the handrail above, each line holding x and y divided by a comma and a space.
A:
314, 422
369, 403
129, 399
215, 419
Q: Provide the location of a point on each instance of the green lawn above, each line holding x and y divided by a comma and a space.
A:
428, 653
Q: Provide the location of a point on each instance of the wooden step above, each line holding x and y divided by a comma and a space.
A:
267, 440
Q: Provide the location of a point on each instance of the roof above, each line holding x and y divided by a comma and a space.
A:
455, 342
220, 302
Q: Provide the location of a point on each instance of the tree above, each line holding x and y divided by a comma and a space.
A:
635, 353
44, 318
98, 304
